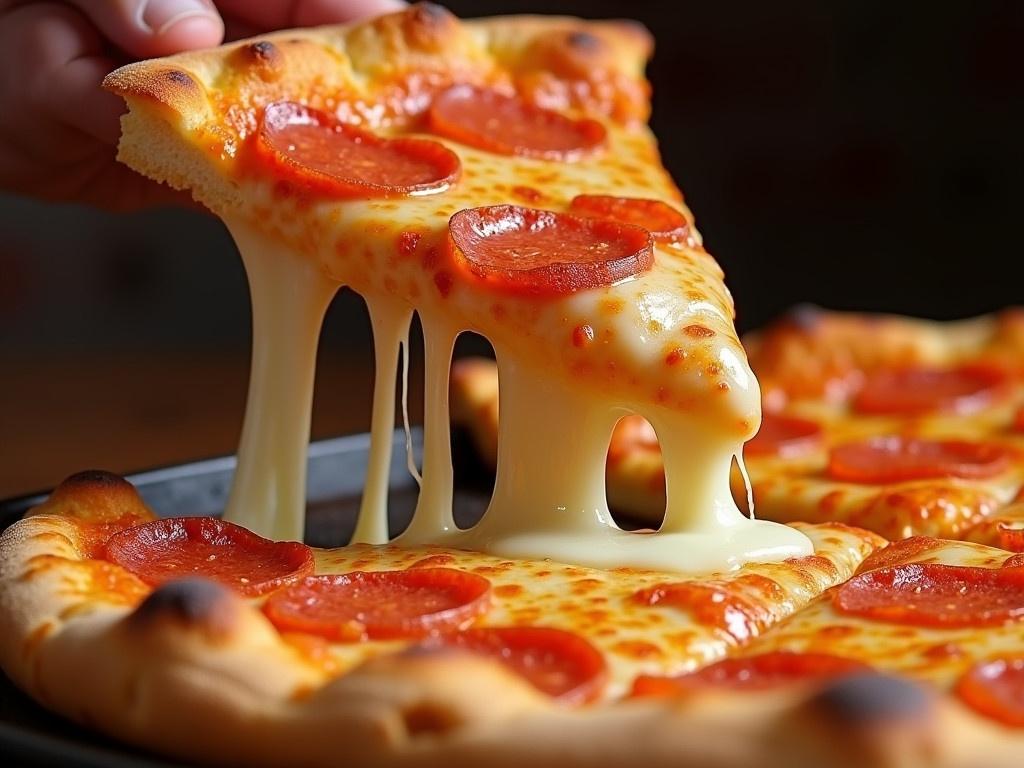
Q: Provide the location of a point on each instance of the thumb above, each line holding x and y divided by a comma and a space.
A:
147, 28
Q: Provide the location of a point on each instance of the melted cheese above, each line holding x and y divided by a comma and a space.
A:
663, 346
597, 604
290, 295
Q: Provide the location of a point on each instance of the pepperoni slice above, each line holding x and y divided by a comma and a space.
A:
507, 125
909, 391
996, 689
177, 547
526, 250
665, 223
933, 595
899, 553
894, 459
784, 436
322, 154
1011, 538
561, 664
381, 605
767, 670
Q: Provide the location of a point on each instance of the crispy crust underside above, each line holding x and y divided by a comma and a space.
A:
196, 672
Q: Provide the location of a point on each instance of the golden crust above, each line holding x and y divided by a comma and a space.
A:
355, 61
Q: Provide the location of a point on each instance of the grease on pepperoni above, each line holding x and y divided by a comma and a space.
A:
317, 152
178, 547
532, 251
561, 664
508, 125
1011, 537
995, 688
665, 223
910, 391
381, 605
934, 595
767, 670
784, 436
894, 459
899, 553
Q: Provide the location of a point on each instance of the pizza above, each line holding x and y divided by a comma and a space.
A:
494, 176
902, 426
202, 640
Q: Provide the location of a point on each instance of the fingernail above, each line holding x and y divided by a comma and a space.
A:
157, 16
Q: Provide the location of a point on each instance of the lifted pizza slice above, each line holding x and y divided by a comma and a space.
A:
493, 176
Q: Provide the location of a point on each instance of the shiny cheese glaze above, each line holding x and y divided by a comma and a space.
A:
661, 344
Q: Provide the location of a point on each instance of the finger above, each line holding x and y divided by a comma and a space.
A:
53, 81
147, 28
281, 14
58, 128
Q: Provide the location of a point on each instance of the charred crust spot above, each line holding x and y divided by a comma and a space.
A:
263, 50
584, 41
263, 57
178, 77
872, 698
192, 603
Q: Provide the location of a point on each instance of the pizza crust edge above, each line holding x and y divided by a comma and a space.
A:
197, 672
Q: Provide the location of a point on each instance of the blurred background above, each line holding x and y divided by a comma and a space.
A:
858, 155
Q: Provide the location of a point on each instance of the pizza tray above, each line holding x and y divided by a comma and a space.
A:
31, 736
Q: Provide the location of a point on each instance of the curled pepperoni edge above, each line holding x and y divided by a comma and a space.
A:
762, 671
322, 182
118, 550
553, 279
665, 223
980, 689
441, 121
589, 673
472, 589
896, 608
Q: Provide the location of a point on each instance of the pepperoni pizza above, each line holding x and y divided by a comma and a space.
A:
494, 176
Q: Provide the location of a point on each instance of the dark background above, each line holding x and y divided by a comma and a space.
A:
859, 155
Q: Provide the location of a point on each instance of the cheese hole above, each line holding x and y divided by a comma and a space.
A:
635, 475
474, 415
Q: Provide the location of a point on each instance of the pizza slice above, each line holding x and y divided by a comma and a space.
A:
200, 639
494, 176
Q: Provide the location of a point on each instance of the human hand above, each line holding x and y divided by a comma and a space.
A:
59, 129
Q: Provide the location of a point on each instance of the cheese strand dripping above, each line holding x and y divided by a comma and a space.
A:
290, 295
390, 321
